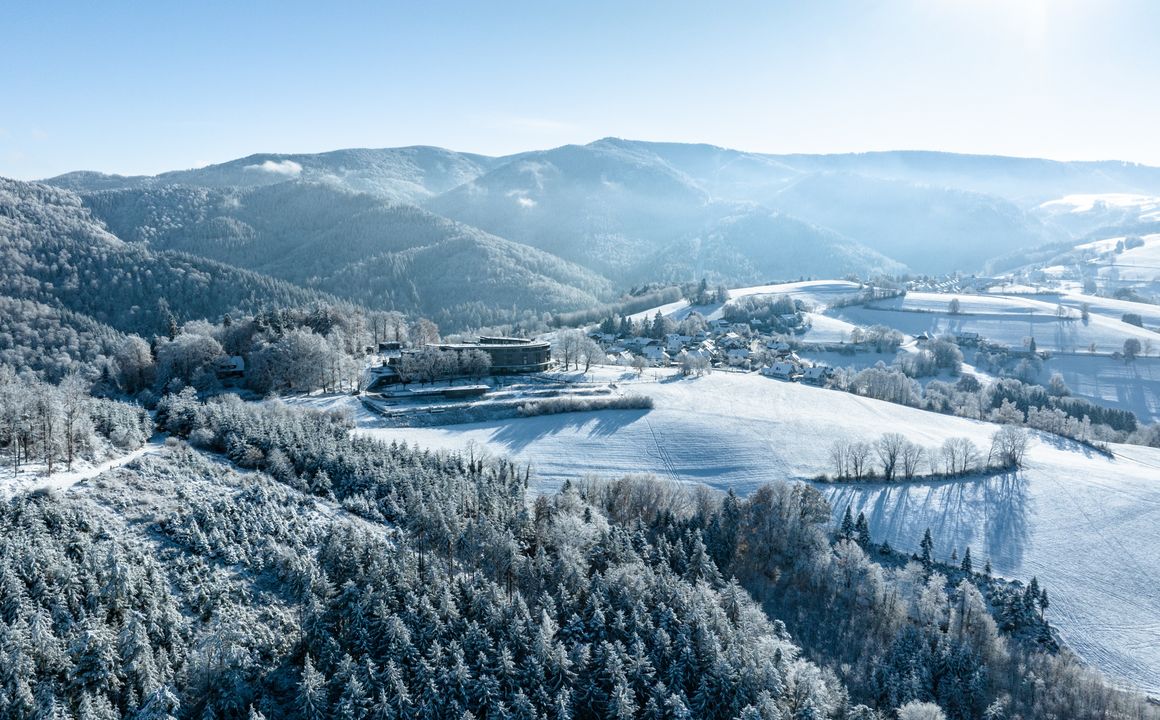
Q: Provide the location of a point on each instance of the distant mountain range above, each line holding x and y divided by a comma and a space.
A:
469, 239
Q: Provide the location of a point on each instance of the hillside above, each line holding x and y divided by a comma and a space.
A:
52, 341
597, 205
935, 229
469, 279
1073, 518
355, 246
623, 209
54, 252
755, 245
406, 174
620, 209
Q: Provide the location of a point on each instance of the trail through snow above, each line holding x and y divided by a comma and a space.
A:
64, 480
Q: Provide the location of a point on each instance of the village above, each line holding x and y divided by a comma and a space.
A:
723, 343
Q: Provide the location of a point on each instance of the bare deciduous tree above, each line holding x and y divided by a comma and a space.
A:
889, 448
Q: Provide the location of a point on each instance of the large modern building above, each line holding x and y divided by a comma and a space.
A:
509, 355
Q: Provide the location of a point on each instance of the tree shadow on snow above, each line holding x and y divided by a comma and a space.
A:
989, 515
519, 434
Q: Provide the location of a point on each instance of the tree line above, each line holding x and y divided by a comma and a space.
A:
895, 457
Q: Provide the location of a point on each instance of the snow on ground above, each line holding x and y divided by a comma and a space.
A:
1138, 264
675, 310
1100, 246
33, 477
331, 402
1112, 308
818, 293
1147, 205
1110, 382
826, 329
1086, 525
1003, 319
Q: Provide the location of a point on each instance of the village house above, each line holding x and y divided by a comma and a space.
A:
818, 374
229, 366
656, 355
782, 370
737, 356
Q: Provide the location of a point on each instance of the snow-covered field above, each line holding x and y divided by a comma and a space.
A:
1086, 525
1139, 264
817, 293
1112, 308
1110, 382
1003, 319
1147, 206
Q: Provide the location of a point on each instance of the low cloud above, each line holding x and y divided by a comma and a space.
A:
526, 202
289, 168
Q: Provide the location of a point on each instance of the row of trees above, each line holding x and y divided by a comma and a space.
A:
893, 456
1007, 400
906, 635
430, 364
573, 348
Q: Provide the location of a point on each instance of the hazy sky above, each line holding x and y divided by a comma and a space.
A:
149, 86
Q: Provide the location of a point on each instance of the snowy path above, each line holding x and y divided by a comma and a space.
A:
67, 479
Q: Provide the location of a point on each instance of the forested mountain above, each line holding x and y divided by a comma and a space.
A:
625, 211
937, 229
54, 252
617, 207
276, 566
356, 246
470, 279
406, 174
1024, 181
739, 247
52, 341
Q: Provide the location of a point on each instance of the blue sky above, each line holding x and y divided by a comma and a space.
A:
147, 87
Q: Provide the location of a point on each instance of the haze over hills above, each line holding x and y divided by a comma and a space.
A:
570, 227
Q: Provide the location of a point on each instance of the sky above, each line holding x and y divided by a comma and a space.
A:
140, 87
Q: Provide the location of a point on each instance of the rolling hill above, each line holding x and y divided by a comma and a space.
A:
405, 174
53, 251
356, 246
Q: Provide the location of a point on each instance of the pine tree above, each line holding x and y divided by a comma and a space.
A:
862, 530
312, 702
846, 531
967, 567
927, 546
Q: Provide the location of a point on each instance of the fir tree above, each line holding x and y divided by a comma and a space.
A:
846, 530
862, 531
927, 546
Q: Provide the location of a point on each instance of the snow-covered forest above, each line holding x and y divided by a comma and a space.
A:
272, 565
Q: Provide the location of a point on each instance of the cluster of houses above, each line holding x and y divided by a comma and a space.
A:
722, 344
